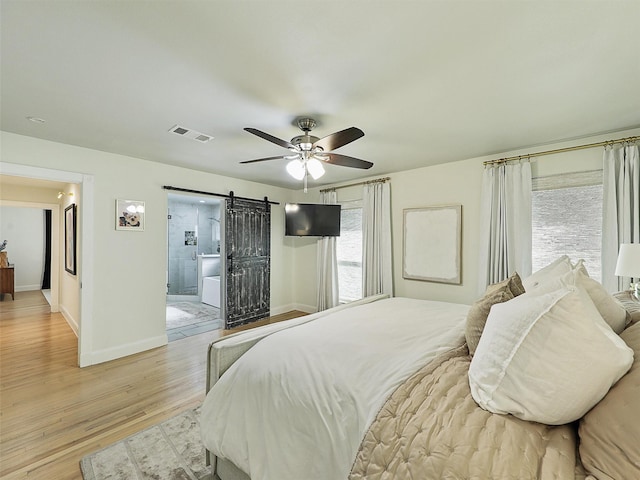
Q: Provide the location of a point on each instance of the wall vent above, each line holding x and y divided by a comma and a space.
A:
192, 134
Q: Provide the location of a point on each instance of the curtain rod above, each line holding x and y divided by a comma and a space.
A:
230, 195
562, 150
378, 180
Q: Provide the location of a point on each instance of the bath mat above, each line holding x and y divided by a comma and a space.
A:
181, 314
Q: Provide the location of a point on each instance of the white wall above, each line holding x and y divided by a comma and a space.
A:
69, 283
453, 183
23, 228
128, 267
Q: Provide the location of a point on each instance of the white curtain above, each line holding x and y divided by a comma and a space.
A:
327, 263
377, 272
621, 209
505, 223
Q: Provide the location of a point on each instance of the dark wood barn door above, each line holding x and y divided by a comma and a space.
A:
248, 261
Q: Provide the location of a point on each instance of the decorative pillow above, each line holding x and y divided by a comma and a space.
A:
611, 310
552, 271
631, 305
513, 284
546, 358
477, 316
610, 432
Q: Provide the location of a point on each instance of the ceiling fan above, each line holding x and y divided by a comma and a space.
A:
308, 153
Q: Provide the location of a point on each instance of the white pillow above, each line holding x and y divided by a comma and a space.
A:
552, 271
546, 358
609, 308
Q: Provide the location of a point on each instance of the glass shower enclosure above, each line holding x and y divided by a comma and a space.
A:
193, 230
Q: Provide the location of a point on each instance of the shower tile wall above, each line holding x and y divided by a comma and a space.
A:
190, 217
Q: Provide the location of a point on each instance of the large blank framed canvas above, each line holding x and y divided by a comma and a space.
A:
432, 244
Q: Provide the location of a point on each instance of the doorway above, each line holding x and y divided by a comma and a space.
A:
34, 175
194, 241
27, 230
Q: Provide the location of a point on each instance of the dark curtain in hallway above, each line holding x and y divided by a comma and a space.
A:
46, 276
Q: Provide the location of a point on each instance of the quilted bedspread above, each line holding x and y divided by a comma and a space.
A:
431, 428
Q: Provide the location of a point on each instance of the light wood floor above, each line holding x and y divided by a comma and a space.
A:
52, 413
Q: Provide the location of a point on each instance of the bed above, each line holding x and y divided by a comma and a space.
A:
399, 388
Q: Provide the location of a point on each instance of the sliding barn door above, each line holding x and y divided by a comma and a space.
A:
248, 261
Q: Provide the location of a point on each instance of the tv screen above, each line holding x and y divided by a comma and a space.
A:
312, 220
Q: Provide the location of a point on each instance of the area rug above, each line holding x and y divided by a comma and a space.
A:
181, 314
171, 450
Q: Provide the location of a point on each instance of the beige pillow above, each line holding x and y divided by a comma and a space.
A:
546, 358
477, 316
631, 305
513, 284
610, 432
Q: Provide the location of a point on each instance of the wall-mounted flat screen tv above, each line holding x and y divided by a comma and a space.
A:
312, 220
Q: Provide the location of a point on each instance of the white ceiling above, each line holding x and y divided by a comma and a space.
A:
428, 82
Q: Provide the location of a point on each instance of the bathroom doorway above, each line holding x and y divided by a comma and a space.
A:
193, 267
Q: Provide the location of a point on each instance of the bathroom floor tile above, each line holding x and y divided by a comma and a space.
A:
191, 318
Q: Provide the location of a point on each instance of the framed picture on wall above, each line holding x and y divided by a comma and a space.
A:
432, 244
130, 215
70, 239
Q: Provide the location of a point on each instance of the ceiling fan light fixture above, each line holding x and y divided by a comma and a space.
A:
296, 169
315, 168
308, 152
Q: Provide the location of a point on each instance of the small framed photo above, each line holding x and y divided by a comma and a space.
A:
130, 215
70, 239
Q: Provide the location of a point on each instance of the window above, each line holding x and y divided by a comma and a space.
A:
567, 219
349, 252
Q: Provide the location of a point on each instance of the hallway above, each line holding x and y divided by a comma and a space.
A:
25, 303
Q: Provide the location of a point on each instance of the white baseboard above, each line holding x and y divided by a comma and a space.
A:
281, 309
107, 354
292, 306
305, 308
73, 323
27, 288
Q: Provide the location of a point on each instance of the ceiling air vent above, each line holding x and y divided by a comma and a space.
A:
192, 134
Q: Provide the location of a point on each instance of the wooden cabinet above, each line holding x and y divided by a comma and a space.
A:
7, 281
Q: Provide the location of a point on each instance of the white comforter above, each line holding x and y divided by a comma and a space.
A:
297, 404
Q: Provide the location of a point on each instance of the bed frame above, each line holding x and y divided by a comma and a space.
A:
223, 352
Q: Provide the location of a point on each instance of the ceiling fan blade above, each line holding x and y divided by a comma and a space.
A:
345, 161
264, 159
338, 139
270, 138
